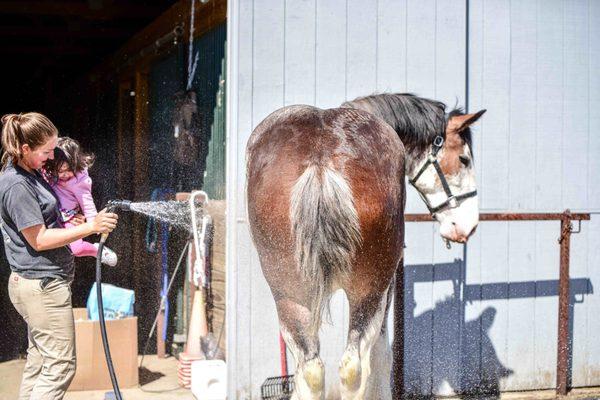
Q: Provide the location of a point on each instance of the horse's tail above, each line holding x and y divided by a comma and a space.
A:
326, 231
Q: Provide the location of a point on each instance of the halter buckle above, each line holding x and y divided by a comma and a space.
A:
438, 141
452, 202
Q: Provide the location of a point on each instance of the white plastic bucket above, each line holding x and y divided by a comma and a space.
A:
209, 379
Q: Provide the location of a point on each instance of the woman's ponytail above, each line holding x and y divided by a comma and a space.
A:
10, 140
33, 129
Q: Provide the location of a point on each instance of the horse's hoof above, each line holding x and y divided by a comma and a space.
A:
350, 371
314, 375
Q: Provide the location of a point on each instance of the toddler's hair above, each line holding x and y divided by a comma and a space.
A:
69, 151
33, 129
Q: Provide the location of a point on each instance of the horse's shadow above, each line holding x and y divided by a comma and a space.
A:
447, 352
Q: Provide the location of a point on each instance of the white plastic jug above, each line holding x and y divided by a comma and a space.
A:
209, 379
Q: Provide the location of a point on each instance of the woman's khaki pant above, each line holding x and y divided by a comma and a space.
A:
46, 307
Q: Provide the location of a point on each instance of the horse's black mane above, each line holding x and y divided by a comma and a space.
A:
416, 120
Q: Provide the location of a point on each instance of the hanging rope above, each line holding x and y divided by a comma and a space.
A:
192, 60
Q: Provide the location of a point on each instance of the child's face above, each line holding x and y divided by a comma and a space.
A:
64, 172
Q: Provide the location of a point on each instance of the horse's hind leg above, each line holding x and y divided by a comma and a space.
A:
295, 320
367, 348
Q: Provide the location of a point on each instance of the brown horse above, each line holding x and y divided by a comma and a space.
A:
326, 195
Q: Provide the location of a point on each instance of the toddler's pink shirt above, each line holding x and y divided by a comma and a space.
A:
76, 195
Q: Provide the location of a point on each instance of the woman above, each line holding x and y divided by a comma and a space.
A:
35, 244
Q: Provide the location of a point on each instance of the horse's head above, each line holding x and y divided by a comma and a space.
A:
445, 179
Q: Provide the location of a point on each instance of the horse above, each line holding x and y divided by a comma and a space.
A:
325, 200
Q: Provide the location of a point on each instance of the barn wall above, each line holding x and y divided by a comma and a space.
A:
479, 317
534, 66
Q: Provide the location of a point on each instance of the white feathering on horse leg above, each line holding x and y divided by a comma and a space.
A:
350, 372
368, 388
310, 375
309, 380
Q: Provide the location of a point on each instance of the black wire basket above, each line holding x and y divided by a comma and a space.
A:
277, 388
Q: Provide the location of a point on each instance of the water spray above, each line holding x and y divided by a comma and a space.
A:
112, 206
164, 211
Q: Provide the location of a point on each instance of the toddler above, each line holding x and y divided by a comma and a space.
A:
68, 176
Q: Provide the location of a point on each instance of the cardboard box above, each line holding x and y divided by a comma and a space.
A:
92, 372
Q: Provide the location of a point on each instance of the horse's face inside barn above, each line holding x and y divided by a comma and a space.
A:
449, 188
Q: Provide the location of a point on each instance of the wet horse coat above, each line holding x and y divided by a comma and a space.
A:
325, 197
326, 204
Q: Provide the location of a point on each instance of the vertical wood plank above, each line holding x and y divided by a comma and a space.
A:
268, 95
494, 314
330, 53
593, 256
471, 367
391, 46
239, 125
546, 303
549, 105
299, 57
418, 306
496, 77
361, 73
576, 102
521, 259
520, 357
523, 86
593, 106
575, 162
420, 47
448, 274
593, 302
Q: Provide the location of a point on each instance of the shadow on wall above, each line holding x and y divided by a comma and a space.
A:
446, 353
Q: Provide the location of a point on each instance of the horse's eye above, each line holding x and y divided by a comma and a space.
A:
465, 160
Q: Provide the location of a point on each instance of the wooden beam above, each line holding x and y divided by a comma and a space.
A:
207, 17
81, 10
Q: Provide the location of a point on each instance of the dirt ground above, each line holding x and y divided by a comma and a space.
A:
158, 380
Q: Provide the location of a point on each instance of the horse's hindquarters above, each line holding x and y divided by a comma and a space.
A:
325, 206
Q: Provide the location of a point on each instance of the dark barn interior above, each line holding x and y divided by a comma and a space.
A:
48, 45
105, 73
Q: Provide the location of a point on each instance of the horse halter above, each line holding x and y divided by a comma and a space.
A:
452, 200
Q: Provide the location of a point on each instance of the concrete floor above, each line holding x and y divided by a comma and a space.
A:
162, 372
574, 394
159, 382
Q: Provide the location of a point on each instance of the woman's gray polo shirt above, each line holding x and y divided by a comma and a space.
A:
27, 200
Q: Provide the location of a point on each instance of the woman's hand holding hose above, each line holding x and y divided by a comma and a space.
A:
104, 223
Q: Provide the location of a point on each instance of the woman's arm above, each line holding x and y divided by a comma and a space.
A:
41, 238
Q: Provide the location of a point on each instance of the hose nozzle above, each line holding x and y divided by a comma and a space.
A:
112, 206
119, 205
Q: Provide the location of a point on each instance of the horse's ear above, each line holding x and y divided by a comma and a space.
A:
459, 123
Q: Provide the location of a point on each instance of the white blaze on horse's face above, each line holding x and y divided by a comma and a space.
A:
458, 217
459, 223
